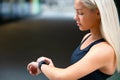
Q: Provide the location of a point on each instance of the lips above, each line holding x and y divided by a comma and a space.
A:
78, 24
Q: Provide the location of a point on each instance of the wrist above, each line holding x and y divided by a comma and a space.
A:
40, 64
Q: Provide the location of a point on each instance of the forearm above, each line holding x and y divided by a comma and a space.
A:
51, 72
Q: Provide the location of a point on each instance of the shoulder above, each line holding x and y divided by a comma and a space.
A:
102, 52
103, 48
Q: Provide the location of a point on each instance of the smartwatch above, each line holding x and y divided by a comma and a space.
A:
40, 64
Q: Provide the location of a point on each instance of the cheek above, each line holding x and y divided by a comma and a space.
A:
85, 21
89, 21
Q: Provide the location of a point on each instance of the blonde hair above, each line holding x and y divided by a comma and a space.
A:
110, 27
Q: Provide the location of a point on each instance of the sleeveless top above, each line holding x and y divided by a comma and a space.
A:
79, 54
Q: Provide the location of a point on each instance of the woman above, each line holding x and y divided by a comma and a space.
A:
98, 55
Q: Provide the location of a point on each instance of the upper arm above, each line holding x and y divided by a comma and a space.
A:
95, 59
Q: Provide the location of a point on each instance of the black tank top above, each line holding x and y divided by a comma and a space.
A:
78, 54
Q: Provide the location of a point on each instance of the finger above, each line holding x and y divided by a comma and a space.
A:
41, 59
29, 65
48, 61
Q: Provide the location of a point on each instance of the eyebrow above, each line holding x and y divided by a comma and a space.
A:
80, 8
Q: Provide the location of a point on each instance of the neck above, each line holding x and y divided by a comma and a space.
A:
96, 34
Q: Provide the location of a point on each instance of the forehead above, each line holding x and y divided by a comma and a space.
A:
78, 5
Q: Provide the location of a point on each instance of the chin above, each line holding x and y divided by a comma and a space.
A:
82, 29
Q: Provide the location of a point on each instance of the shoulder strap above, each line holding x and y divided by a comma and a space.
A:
96, 42
85, 39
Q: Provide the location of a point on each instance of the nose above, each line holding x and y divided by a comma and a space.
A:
76, 17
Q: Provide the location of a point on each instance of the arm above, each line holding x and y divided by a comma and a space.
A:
95, 59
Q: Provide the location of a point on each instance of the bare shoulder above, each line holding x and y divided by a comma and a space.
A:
103, 51
103, 48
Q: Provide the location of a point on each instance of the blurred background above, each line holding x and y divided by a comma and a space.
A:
33, 28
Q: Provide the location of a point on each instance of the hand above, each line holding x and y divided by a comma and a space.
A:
46, 60
33, 68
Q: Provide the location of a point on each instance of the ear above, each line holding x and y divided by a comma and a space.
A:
98, 14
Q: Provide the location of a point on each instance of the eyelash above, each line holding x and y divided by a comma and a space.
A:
80, 13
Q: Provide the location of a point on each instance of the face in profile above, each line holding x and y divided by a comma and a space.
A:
85, 17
